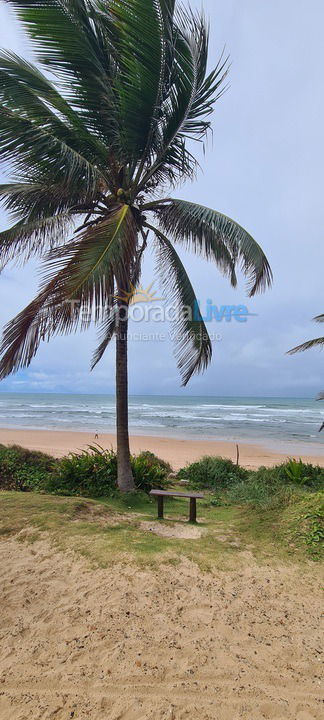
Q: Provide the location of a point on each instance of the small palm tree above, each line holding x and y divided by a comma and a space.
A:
94, 133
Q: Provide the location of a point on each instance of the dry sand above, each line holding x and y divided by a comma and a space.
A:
177, 451
157, 644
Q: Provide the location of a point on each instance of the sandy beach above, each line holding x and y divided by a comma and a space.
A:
176, 450
159, 643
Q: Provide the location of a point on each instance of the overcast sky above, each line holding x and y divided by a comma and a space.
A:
264, 167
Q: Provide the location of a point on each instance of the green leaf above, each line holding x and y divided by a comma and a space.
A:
140, 48
65, 37
193, 347
37, 201
193, 93
74, 294
107, 333
188, 98
23, 86
27, 239
31, 147
218, 237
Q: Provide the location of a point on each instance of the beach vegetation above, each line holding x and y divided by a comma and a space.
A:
308, 524
93, 473
231, 483
150, 471
24, 470
287, 499
89, 473
95, 136
277, 486
303, 473
212, 473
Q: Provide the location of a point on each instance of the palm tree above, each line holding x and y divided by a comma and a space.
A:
316, 342
94, 133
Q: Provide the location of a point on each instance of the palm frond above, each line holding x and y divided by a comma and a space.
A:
140, 48
26, 239
28, 147
39, 198
308, 345
23, 86
217, 237
107, 333
100, 254
64, 34
188, 100
74, 294
193, 348
104, 118
194, 92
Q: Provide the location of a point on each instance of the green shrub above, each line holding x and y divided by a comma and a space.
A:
22, 469
149, 471
278, 486
93, 473
300, 473
212, 473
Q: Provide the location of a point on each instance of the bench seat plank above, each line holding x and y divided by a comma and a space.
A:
168, 493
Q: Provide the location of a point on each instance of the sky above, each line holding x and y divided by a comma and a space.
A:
263, 167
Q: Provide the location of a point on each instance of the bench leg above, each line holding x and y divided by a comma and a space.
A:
160, 506
192, 510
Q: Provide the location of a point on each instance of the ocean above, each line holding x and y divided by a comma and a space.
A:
275, 422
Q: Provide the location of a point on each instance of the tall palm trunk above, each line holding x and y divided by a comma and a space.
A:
125, 475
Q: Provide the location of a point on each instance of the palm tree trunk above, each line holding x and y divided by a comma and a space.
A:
124, 472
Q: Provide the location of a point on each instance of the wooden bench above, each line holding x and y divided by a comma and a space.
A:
161, 494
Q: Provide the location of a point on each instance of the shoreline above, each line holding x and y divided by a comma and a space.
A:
177, 451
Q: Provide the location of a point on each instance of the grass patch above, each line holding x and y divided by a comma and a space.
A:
106, 531
303, 525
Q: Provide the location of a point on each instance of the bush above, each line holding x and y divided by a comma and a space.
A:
149, 471
93, 473
278, 486
300, 473
212, 473
22, 469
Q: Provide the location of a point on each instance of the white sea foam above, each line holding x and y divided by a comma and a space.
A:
251, 419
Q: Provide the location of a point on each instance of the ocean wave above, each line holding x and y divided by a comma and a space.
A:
241, 418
